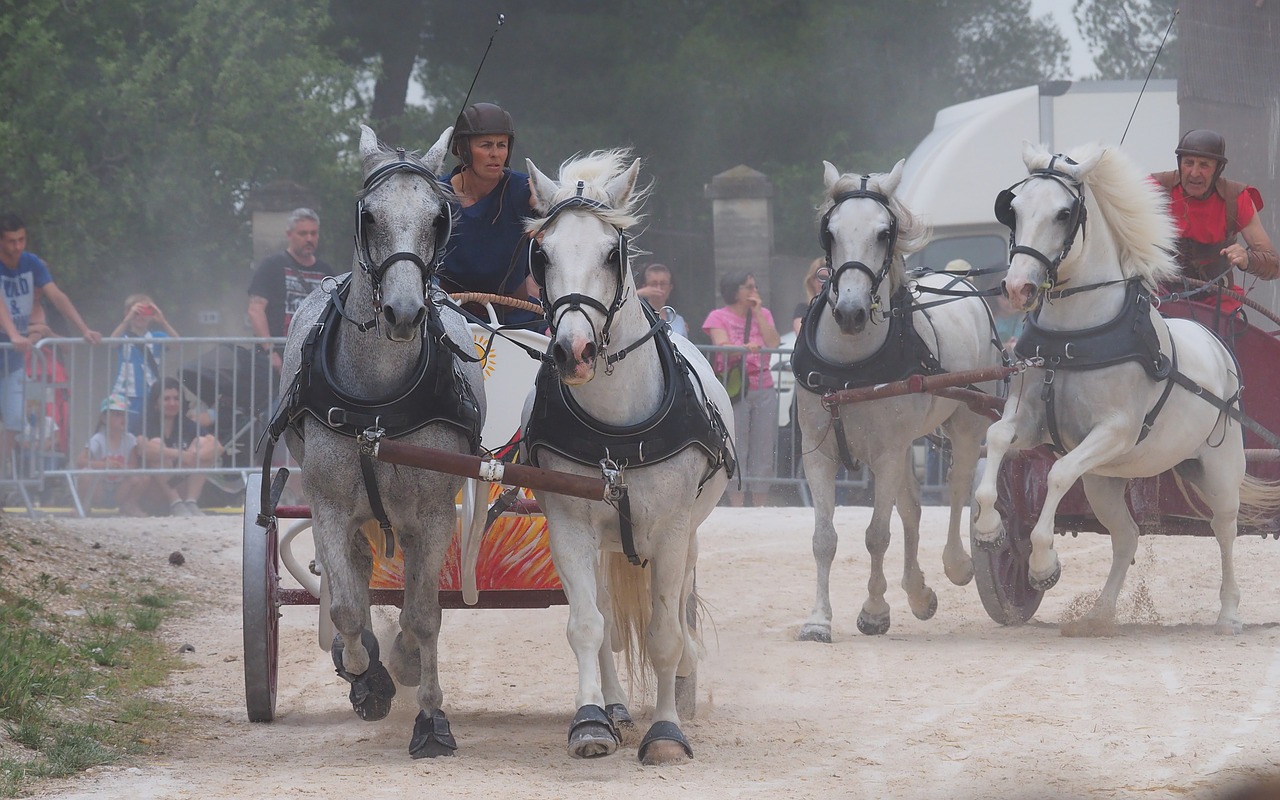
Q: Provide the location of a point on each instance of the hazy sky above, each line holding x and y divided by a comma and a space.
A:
1081, 64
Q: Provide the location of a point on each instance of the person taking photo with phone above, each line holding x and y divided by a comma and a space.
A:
138, 366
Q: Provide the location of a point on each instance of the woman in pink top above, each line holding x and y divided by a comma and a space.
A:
744, 322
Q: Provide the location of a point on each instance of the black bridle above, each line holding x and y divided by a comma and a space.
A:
617, 258
827, 241
443, 225
1075, 221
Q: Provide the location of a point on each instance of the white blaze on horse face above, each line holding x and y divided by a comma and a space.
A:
579, 249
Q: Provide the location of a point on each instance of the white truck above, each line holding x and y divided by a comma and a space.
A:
975, 150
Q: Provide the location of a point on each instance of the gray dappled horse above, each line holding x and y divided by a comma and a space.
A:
381, 352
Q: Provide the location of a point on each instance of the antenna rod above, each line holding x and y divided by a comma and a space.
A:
501, 19
1144, 83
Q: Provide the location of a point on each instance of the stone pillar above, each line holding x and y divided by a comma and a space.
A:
742, 227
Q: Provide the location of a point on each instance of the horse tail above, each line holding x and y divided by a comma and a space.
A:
632, 607
1259, 500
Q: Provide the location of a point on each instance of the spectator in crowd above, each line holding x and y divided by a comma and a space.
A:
111, 447
281, 281
488, 250
25, 279
138, 366
173, 439
745, 323
655, 289
812, 285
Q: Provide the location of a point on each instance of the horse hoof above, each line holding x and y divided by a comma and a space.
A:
815, 633
1228, 627
371, 690
663, 744
620, 716
962, 575
592, 734
996, 541
1048, 581
927, 612
431, 736
874, 627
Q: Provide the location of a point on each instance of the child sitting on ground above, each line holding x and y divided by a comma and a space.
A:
111, 447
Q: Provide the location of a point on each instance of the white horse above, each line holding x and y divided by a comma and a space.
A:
384, 355
622, 397
1124, 392
858, 332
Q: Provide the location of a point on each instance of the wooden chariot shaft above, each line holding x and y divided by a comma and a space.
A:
469, 466
946, 384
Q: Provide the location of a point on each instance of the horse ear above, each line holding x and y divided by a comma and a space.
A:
829, 174
1033, 155
543, 188
889, 183
434, 159
1086, 166
368, 142
620, 188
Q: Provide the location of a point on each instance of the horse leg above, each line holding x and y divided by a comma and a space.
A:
424, 552
615, 697
1220, 485
664, 742
348, 565
575, 552
820, 472
1106, 498
888, 469
1100, 446
923, 600
988, 529
966, 440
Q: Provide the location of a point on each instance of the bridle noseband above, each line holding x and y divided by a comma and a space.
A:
1076, 222
443, 224
555, 310
827, 241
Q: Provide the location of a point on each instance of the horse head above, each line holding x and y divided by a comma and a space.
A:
402, 225
1044, 213
864, 232
579, 254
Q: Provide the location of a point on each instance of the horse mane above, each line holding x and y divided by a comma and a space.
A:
913, 231
1133, 206
596, 170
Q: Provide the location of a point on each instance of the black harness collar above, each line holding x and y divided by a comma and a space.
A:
903, 354
558, 424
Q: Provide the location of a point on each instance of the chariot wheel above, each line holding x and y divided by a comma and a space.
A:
260, 587
1001, 573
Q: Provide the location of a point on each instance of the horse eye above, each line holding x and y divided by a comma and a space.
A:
366, 218
883, 236
613, 257
1064, 215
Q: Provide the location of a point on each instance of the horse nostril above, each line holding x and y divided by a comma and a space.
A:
589, 352
389, 314
859, 318
560, 353
417, 319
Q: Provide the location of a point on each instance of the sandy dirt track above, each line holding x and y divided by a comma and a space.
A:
954, 707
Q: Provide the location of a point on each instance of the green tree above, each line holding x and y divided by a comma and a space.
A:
1124, 36
136, 131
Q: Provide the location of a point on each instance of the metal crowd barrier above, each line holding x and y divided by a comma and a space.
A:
225, 383
228, 384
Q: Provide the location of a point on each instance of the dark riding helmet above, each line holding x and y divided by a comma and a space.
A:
479, 120
1209, 144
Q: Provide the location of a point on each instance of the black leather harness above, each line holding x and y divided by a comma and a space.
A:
903, 354
684, 419
435, 392
1129, 336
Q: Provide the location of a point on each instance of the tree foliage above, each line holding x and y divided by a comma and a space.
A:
1124, 37
137, 131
